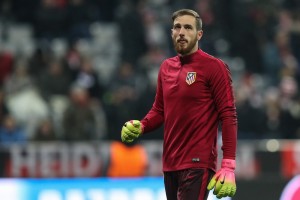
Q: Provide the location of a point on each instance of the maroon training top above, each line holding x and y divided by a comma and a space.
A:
194, 93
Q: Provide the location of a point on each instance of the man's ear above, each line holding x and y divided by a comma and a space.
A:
199, 34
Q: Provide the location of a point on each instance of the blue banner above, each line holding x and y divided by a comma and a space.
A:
82, 189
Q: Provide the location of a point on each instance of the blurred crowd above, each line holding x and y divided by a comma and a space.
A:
75, 70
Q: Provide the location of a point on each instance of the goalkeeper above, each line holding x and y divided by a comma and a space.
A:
194, 94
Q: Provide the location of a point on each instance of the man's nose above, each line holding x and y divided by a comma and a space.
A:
182, 31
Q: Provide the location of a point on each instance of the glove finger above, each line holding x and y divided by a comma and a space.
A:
129, 140
136, 123
223, 191
227, 190
230, 179
219, 183
232, 191
132, 128
125, 138
136, 131
218, 187
212, 183
130, 134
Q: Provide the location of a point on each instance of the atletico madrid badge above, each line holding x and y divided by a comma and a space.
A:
190, 77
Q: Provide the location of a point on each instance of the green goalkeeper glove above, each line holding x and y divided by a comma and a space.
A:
223, 181
131, 131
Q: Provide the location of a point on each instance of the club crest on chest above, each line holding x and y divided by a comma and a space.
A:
190, 77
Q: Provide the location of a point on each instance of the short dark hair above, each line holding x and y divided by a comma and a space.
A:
190, 12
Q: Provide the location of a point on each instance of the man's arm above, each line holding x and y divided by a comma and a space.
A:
222, 92
223, 182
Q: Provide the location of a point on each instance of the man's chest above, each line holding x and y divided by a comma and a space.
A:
185, 82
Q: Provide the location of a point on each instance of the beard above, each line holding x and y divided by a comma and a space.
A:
185, 48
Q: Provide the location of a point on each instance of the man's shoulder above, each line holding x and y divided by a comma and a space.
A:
209, 57
214, 62
171, 61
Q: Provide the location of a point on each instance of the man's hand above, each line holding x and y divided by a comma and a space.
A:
223, 181
131, 131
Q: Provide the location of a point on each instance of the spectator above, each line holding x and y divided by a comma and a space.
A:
272, 112
4, 112
120, 165
23, 99
19, 79
249, 104
80, 120
38, 62
289, 116
73, 59
11, 133
88, 79
48, 87
6, 63
3, 107
45, 132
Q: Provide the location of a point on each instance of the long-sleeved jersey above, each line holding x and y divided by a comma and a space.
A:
194, 94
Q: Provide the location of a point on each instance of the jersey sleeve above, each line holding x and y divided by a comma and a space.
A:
155, 116
222, 93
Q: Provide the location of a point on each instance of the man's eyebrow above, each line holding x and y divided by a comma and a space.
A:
186, 25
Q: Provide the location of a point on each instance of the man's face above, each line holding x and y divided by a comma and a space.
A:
185, 35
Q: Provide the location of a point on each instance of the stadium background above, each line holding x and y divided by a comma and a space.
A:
65, 66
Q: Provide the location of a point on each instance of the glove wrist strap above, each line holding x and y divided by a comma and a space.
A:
228, 163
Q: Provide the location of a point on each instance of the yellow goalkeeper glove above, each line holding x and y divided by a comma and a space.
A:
131, 131
223, 181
